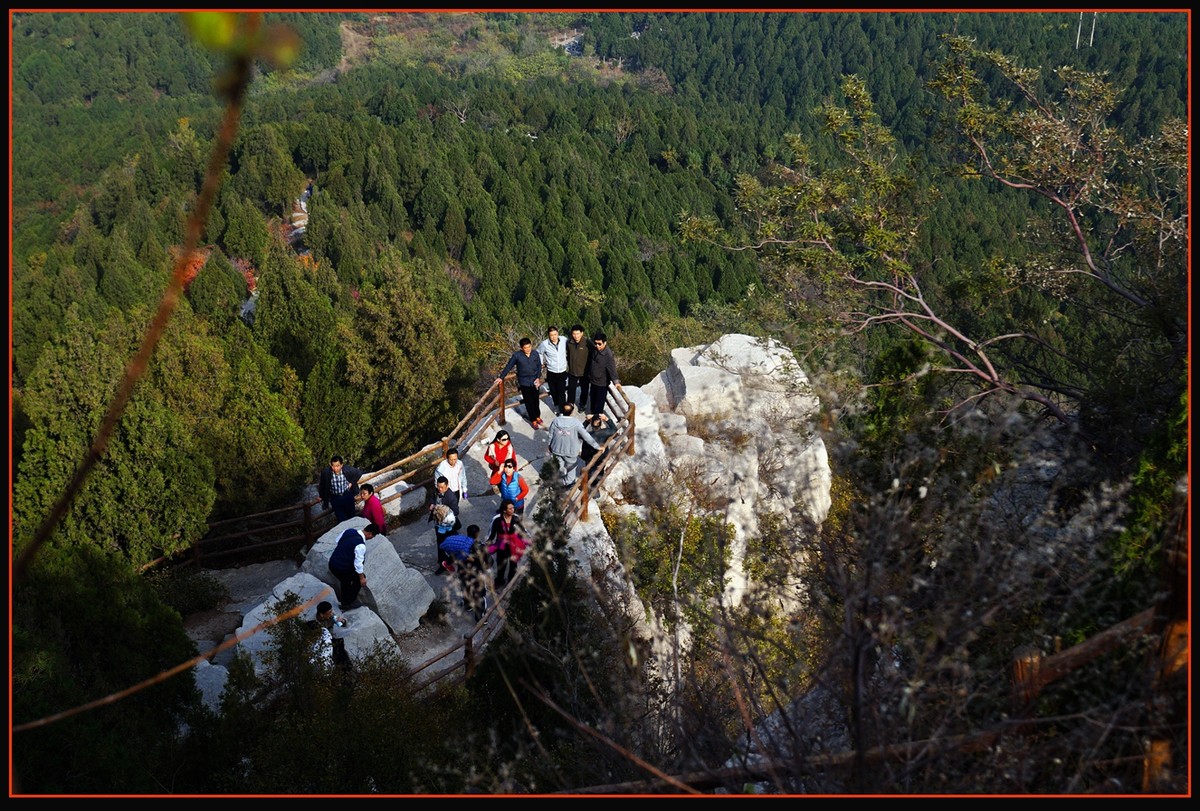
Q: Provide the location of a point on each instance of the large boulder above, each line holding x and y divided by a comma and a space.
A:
258, 644
737, 413
399, 594
363, 631
210, 680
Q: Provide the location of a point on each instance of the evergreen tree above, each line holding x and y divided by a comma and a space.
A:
259, 454
217, 292
400, 354
334, 421
152, 490
292, 318
86, 626
245, 236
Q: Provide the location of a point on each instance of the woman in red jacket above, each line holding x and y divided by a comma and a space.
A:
498, 452
507, 541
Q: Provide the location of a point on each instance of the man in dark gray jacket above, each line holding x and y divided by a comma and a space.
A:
567, 436
579, 355
602, 371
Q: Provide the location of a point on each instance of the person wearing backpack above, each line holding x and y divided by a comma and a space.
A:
446, 520
567, 438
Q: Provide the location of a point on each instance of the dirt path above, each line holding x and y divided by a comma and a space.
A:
354, 47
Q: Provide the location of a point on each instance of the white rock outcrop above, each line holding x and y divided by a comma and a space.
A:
363, 631
737, 413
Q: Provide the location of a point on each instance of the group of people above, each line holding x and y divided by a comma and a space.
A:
468, 555
577, 372
340, 491
472, 558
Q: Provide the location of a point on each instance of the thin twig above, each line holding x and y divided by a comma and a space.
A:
137, 366
166, 674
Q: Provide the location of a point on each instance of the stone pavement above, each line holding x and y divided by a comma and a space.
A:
415, 541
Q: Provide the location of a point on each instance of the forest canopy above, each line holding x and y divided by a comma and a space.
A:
941, 212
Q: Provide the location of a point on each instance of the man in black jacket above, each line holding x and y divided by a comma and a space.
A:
602, 371
335, 480
579, 353
442, 494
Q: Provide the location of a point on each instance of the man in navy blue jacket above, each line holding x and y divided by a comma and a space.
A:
346, 563
528, 364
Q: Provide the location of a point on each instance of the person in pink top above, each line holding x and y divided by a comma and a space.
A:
372, 507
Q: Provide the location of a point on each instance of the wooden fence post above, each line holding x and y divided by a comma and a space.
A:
1026, 678
632, 426
469, 655
583, 502
500, 416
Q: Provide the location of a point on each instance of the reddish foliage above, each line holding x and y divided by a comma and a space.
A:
244, 267
194, 263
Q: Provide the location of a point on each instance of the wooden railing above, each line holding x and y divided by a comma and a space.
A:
305, 522
575, 508
298, 526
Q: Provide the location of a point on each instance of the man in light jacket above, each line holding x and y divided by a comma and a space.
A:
554, 366
567, 436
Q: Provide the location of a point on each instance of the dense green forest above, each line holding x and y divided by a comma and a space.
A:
472, 183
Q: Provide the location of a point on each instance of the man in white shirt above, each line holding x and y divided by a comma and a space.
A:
455, 472
347, 561
554, 366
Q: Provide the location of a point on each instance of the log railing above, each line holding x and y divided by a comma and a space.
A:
289, 529
575, 509
302, 524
